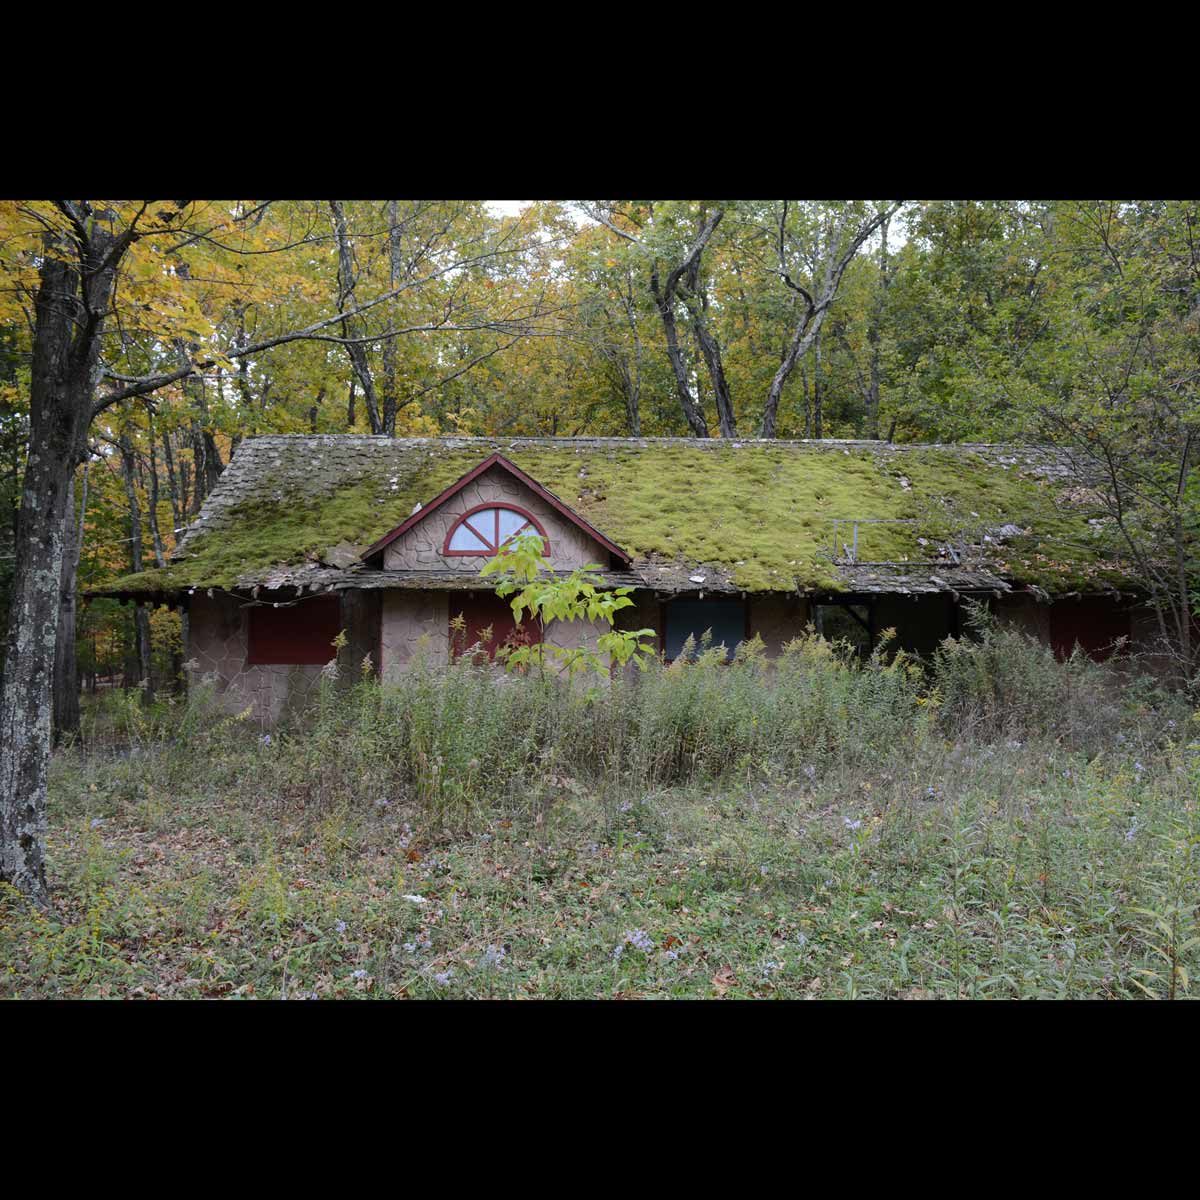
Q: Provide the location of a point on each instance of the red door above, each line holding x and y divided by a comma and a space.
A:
1095, 622
488, 622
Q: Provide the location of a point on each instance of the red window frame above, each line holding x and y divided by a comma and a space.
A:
492, 540
299, 634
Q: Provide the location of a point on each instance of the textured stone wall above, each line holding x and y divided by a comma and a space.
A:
419, 623
414, 623
217, 640
420, 549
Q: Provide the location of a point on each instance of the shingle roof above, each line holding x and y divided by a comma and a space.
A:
746, 515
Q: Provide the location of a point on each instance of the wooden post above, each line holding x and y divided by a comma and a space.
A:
360, 617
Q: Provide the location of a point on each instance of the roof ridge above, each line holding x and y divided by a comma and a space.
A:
591, 440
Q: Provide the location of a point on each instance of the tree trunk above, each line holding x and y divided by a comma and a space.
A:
818, 432
816, 305
346, 285
390, 379
874, 336
633, 397
160, 557
65, 715
70, 309
141, 617
710, 351
666, 310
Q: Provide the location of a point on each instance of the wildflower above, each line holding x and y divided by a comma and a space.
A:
359, 974
670, 955
1137, 766
625, 806
444, 978
851, 824
637, 938
1131, 832
410, 947
265, 739
97, 822
770, 967
811, 772
801, 939
493, 956
931, 792
416, 899
340, 926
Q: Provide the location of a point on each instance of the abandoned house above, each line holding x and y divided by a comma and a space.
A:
383, 538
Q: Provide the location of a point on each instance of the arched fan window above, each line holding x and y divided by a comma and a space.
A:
484, 530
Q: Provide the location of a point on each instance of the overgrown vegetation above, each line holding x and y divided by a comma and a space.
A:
997, 825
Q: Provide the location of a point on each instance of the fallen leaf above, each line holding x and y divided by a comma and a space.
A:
723, 980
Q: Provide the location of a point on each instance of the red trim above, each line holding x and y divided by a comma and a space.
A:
492, 540
498, 460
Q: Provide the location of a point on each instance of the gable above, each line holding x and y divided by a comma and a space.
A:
422, 546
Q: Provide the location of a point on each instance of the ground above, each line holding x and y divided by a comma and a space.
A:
958, 866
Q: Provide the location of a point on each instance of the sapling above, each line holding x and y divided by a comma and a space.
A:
527, 576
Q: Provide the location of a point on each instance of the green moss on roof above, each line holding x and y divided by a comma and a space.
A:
762, 511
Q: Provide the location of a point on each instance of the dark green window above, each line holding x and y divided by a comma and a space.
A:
684, 618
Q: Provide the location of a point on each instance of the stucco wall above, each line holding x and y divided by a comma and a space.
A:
420, 549
217, 637
419, 622
414, 623
777, 620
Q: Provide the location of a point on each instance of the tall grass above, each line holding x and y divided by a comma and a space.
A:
993, 823
453, 741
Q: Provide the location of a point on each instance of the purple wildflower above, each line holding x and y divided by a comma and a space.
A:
637, 938
493, 956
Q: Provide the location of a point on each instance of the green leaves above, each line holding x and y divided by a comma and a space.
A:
527, 576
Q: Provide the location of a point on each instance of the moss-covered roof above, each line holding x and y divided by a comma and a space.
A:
761, 515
